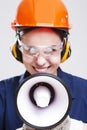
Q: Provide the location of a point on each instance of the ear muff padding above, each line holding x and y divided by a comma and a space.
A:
16, 52
65, 54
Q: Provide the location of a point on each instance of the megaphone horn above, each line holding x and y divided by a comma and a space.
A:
43, 101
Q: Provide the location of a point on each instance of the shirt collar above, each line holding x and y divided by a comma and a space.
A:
24, 76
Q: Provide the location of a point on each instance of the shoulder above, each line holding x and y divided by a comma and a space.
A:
64, 74
76, 81
10, 82
77, 85
72, 78
9, 86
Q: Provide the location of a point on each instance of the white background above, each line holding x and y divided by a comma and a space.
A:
77, 63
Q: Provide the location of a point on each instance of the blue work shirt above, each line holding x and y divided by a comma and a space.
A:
9, 120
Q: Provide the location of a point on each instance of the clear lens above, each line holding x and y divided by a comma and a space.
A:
32, 50
45, 50
52, 49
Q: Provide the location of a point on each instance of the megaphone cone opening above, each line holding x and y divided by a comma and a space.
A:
40, 85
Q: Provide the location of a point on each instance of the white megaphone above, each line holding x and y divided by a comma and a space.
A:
43, 101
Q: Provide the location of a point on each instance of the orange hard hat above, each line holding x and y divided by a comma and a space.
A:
41, 13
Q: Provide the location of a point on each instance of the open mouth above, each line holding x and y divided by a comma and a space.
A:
39, 70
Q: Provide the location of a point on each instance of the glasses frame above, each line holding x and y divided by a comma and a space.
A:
25, 48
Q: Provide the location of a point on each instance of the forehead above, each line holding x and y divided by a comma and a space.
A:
41, 34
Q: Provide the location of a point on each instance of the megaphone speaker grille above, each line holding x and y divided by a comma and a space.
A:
32, 107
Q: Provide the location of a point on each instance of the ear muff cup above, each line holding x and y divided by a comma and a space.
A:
16, 52
65, 54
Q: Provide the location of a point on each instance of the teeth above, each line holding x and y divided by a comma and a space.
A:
41, 70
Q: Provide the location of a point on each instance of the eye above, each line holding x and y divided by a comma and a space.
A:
32, 50
51, 49
48, 50
55, 48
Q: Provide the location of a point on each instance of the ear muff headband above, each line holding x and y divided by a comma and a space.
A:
64, 55
66, 52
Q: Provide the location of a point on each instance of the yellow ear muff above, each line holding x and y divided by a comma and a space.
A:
66, 52
13, 49
16, 52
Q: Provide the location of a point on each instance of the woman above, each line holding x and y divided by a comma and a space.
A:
42, 45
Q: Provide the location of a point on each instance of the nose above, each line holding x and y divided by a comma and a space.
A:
41, 60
